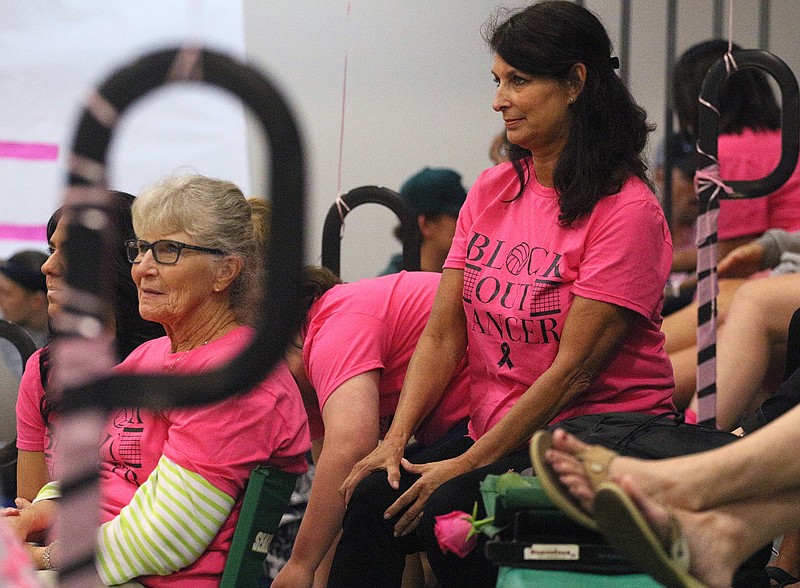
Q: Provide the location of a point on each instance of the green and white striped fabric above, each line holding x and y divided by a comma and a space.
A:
49, 491
170, 522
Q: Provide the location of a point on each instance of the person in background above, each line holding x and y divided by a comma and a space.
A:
436, 195
749, 148
681, 283
23, 293
36, 422
760, 314
749, 144
23, 302
350, 361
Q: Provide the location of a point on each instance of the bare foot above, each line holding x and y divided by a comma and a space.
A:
651, 477
711, 536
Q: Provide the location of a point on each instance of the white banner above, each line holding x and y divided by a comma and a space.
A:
52, 52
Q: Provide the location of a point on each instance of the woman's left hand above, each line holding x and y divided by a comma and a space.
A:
433, 475
19, 525
11, 511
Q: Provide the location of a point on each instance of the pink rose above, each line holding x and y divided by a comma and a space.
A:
457, 531
453, 533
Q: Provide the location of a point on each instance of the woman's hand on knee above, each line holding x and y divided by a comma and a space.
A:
386, 456
432, 475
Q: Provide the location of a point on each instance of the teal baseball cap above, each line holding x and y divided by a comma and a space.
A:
434, 191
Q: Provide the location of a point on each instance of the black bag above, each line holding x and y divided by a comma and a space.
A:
645, 436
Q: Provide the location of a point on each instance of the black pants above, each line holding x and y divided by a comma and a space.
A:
369, 555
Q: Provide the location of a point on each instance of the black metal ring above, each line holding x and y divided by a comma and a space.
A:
708, 121
87, 190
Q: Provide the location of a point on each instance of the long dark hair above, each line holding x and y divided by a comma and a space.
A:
608, 131
131, 329
746, 100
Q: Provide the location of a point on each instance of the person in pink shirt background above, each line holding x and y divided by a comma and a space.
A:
35, 421
350, 361
749, 148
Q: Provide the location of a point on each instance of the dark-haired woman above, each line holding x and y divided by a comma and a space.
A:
554, 284
35, 441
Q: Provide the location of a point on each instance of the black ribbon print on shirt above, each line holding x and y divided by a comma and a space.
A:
505, 360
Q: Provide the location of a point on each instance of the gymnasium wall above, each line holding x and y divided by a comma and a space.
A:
419, 89
418, 93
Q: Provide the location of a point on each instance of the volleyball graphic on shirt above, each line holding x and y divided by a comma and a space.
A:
518, 258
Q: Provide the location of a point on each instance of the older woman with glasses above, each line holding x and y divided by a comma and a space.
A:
173, 479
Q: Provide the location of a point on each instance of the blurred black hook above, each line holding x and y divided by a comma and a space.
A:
88, 241
409, 228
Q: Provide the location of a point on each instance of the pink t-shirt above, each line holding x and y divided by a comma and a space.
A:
751, 156
32, 432
521, 272
221, 442
372, 324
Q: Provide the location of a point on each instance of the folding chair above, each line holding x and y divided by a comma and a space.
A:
267, 496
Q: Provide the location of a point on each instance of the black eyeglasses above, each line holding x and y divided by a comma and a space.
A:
165, 251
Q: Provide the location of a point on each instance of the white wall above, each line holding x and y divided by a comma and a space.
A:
419, 89
53, 52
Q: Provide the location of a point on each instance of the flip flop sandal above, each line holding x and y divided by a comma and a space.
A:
595, 459
623, 525
781, 576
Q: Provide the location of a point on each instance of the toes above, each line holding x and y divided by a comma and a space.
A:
567, 442
578, 487
565, 462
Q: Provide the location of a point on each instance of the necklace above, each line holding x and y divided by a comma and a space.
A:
170, 365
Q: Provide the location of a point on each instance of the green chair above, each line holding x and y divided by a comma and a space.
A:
266, 499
